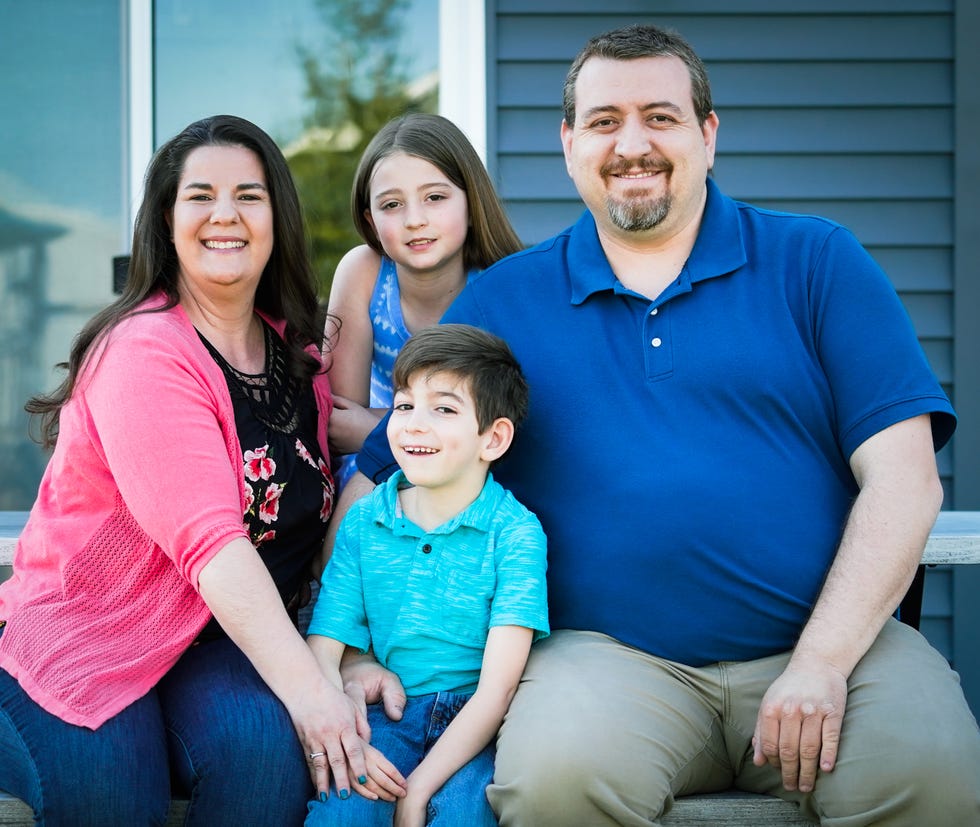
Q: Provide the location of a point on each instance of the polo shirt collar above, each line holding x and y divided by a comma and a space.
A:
478, 515
718, 249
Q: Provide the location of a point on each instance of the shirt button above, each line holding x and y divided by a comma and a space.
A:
426, 548
657, 342
655, 311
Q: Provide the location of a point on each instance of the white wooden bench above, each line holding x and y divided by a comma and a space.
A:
954, 540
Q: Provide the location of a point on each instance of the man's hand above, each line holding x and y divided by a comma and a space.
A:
799, 724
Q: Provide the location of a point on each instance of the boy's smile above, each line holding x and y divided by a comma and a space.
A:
435, 438
434, 433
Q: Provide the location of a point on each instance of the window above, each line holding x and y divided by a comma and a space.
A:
320, 76
89, 89
62, 215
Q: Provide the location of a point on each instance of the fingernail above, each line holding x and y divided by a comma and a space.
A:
344, 795
362, 779
323, 797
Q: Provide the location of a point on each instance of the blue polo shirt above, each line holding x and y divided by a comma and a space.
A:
688, 456
425, 601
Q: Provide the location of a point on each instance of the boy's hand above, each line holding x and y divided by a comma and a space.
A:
411, 811
383, 779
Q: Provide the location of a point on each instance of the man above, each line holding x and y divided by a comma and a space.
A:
731, 448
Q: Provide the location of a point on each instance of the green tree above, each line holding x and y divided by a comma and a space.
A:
356, 82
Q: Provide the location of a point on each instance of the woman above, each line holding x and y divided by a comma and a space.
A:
145, 624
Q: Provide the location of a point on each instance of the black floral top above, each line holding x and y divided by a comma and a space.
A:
289, 487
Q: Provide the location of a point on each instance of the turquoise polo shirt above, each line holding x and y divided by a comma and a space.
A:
424, 601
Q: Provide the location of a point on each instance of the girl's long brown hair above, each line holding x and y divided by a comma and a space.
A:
439, 141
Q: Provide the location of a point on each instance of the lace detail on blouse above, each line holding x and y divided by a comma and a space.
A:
273, 396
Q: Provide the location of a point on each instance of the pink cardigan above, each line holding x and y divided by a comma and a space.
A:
144, 487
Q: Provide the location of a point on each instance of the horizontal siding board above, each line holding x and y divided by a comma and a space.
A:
939, 352
796, 85
931, 313
835, 176
882, 223
823, 130
916, 269
526, 177
647, 8
804, 84
926, 129
529, 130
821, 37
537, 220
530, 84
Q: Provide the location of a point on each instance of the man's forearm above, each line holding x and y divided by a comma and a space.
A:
880, 547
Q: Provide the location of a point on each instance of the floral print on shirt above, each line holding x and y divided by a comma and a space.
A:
263, 492
328, 487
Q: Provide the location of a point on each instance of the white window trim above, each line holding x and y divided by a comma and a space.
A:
463, 68
140, 103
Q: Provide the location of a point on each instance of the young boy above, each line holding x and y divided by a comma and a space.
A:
442, 573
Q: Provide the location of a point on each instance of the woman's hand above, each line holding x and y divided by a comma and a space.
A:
326, 725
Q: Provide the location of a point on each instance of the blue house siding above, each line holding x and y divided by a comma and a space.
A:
966, 346
843, 108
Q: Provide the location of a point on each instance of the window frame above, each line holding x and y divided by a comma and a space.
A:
462, 82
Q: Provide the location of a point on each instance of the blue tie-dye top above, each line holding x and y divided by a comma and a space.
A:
390, 333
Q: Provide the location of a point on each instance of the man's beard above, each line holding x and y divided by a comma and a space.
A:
639, 213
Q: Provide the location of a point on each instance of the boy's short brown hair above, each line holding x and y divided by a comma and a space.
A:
484, 361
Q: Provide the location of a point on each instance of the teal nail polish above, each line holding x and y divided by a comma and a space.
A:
362, 779
344, 795
323, 797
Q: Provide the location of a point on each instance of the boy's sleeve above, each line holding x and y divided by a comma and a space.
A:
521, 594
339, 610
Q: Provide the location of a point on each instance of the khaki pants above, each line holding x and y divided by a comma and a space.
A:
602, 734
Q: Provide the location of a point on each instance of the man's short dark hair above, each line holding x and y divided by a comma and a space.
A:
631, 43
482, 360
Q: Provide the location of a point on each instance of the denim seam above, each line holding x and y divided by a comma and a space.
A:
190, 759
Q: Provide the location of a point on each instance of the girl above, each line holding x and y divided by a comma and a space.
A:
426, 208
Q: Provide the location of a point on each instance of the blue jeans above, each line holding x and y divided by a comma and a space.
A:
211, 724
462, 799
